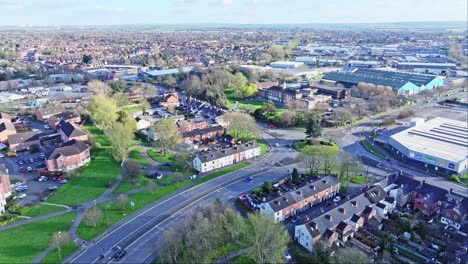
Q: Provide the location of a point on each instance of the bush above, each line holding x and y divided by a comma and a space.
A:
34, 149
389, 120
6, 219
405, 114
455, 178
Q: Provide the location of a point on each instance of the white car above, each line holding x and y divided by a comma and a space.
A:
336, 199
286, 255
46, 126
277, 144
22, 196
42, 178
2, 156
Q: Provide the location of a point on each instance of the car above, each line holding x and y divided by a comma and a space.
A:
22, 170
22, 196
29, 169
277, 144
119, 254
1, 155
156, 175
41, 166
63, 181
286, 255
168, 164
21, 188
248, 179
21, 162
295, 219
55, 187
31, 160
46, 126
336, 199
42, 155
60, 178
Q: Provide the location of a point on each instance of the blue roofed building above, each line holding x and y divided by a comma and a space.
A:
401, 82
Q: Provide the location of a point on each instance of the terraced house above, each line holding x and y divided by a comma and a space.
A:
297, 201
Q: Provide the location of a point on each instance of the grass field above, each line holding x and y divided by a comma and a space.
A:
22, 244
54, 257
159, 157
132, 108
126, 186
242, 259
91, 182
115, 214
39, 209
135, 154
221, 172
367, 145
301, 144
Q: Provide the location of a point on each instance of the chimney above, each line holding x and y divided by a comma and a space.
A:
451, 190
312, 187
342, 210
354, 203
325, 181
329, 217
299, 192
285, 199
423, 183
278, 202
314, 225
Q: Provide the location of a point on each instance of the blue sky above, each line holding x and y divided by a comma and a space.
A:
110, 12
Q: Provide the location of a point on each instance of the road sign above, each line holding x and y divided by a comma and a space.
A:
132, 204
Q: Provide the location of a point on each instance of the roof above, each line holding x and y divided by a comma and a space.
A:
70, 148
303, 193
7, 126
381, 205
441, 138
376, 194
51, 110
443, 65
4, 115
355, 218
169, 71
66, 115
386, 78
69, 129
214, 155
24, 137
202, 131
184, 123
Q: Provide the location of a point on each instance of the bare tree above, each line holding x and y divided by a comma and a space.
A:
342, 115
59, 240
93, 217
131, 170
122, 202
240, 125
311, 156
152, 186
98, 88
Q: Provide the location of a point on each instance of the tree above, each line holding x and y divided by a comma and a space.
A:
276, 52
118, 86
349, 256
131, 170
328, 158
103, 111
165, 131
120, 137
269, 240
122, 202
59, 240
98, 88
120, 99
93, 217
345, 161
87, 58
152, 186
269, 108
183, 155
322, 253
241, 126
247, 90
145, 105
311, 156
267, 187
342, 115
313, 128
170, 81
295, 176
287, 118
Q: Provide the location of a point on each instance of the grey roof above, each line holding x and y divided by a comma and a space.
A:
381, 205
23, 137
184, 123
70, 130
70, 148
303, 193
376, 194
66, 115
386, 78
202, 131
51, 110
214, 155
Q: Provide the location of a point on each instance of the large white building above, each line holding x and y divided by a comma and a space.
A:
438, 144
221, 158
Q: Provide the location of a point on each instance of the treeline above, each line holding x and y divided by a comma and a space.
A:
202, 237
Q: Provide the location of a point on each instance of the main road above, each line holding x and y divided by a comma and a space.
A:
140, 234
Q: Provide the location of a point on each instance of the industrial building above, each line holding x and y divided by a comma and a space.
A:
438, 144
402, 83
161, 73
286, 64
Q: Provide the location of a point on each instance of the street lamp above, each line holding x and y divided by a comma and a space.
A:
58, 245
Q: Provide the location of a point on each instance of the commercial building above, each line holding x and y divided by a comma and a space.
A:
73, 154
161, 73
5, 187
363, 64
297, 201
438, 144
224, 157
402, 83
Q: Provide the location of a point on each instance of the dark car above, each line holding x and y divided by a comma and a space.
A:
22, 170
120, 254
248, 179
156, 175
295, 219
40, 166
168, 164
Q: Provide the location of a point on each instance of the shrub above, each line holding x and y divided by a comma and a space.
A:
6, 219
455, 178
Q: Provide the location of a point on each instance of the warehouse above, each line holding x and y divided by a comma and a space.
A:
402, 83
438, 144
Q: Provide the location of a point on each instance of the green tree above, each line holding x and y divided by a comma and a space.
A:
165, 133
267, 187
118, 86
295, 176
328, 158
87, 58
103, 111
313, 128
311, 156
144, 105
120, 137
241, 125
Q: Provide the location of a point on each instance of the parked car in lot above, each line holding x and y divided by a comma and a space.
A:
286, 255
40, 166
156, 175
29, 169
21, 162
277, 144
22, 170
1, 155
295, 219
21, 188
63, 181
31, 160
52, 188
42, 178
336, 199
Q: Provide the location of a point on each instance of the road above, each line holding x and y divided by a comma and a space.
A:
141, 232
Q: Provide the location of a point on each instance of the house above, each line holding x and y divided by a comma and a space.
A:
43, 114
6, 129
5, 187
22, 141
73, 154
224, 157
456, 215
142, 123
69, 116
202, 134
135, 94
191, 124
297, 201
5, 118
168, 100
340, 223
69, 131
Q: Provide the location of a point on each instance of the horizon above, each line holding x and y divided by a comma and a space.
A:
43, 13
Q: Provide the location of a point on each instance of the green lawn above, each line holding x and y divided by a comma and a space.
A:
263, 147
242, 259
53, 256
136, 155
22, 244
159, 157
221, 172
39, 209
132, 108
115, 215
91, 182
126, 186
299, 145
367, 145
359, 179
213, 255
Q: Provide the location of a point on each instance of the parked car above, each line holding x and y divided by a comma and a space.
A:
156, 175
168, 164
295, 219
60, 178
277, 144
22, 196
21, 188
29, 169
40, 166
286, 255
336, 199
1, 155
46, 126
31, 160
55, 187
63, 181
21, 162
22, 170
42, 178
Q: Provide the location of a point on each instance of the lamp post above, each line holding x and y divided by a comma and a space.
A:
58, 245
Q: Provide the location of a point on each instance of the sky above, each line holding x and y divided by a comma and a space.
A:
117, 12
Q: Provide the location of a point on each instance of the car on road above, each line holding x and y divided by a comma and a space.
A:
286, 255
55, 187
42, 178
336, 199
119, 254
248, 179
277, 144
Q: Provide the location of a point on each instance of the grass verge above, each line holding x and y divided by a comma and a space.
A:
369, 147
221, 172
135, 154
126, 186
54, 257
159, 157
263, 147
40, 209
23, 243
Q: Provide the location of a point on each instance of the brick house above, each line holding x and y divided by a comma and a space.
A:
69, 131
43, 114
73, 154
21, 141
456, 215
297, 201
5, 187
6, 129
135, 94
191, 124
69, 116
168, 100
202, 134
